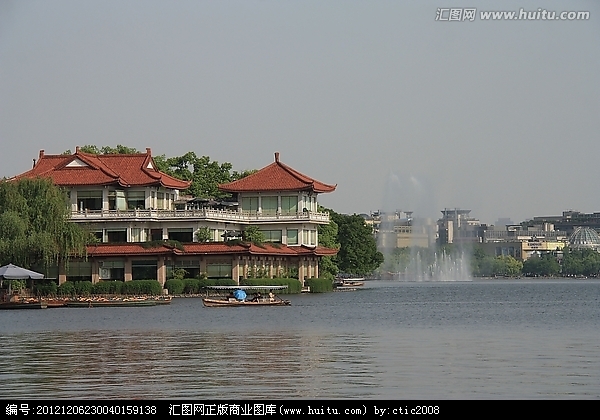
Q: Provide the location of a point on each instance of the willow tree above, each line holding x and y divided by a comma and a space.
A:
35, 230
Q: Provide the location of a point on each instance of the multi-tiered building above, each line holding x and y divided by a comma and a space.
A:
134, 210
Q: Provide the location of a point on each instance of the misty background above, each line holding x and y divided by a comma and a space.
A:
399, 110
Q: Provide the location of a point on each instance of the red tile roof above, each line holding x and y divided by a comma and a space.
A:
197, 248
277, 177
126, 170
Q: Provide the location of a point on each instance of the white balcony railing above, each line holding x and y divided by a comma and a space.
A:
197, 214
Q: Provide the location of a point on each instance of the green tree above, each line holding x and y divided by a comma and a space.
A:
508, 266
205, 175
35, 230
580, 262
328, 267
106, 150
253, 234
543, 265
358, 251
203, 234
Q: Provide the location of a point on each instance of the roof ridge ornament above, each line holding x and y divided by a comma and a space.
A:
277, 157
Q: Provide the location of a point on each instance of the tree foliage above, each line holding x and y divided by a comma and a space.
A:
203, 234
253, 234
106, 150
205, 175
543, 265
580, 262
35, 230
358, 252
328, 266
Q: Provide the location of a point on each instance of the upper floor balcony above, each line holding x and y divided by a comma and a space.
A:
196, 215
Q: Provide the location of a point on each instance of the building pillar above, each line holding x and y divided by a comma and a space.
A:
235, 269
95, 272
105, 205
128, 276
62, 273
203, 266
73, 201
161, 270
301, 270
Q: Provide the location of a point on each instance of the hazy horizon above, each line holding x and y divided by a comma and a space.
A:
400, 110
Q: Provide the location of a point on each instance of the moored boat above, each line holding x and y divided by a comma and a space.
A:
349, 283
105, 302
55, 303
24, 304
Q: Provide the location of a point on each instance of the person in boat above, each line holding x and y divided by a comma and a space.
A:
240, 294
257, 297
271, 296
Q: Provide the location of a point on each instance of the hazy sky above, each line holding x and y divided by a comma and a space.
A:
400, 110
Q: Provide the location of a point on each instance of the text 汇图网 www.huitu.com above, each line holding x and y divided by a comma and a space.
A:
468, 14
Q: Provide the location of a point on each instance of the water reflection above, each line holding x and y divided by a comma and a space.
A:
393, 340
121, 364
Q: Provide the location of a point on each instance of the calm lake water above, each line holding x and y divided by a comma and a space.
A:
489, 339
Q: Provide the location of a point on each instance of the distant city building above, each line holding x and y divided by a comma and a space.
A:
400, 229
457, 227
585, 238
568, 221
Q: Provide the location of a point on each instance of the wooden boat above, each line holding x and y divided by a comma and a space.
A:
349, 283
24, 305
164, 300
208, 302
55, 303
98, 303
257, 300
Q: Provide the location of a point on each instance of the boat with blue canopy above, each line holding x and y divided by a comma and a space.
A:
238, 296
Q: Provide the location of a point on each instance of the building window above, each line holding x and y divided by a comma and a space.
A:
136, 200
218, 270
144, 270
161, 200
250, 204
181, 234
116, 200
89, 200
156, 234
289, 204
79, 271
112, 270
139, 235
268, 205
309, 237
292, 236
116, 235
272, 235
191, 267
